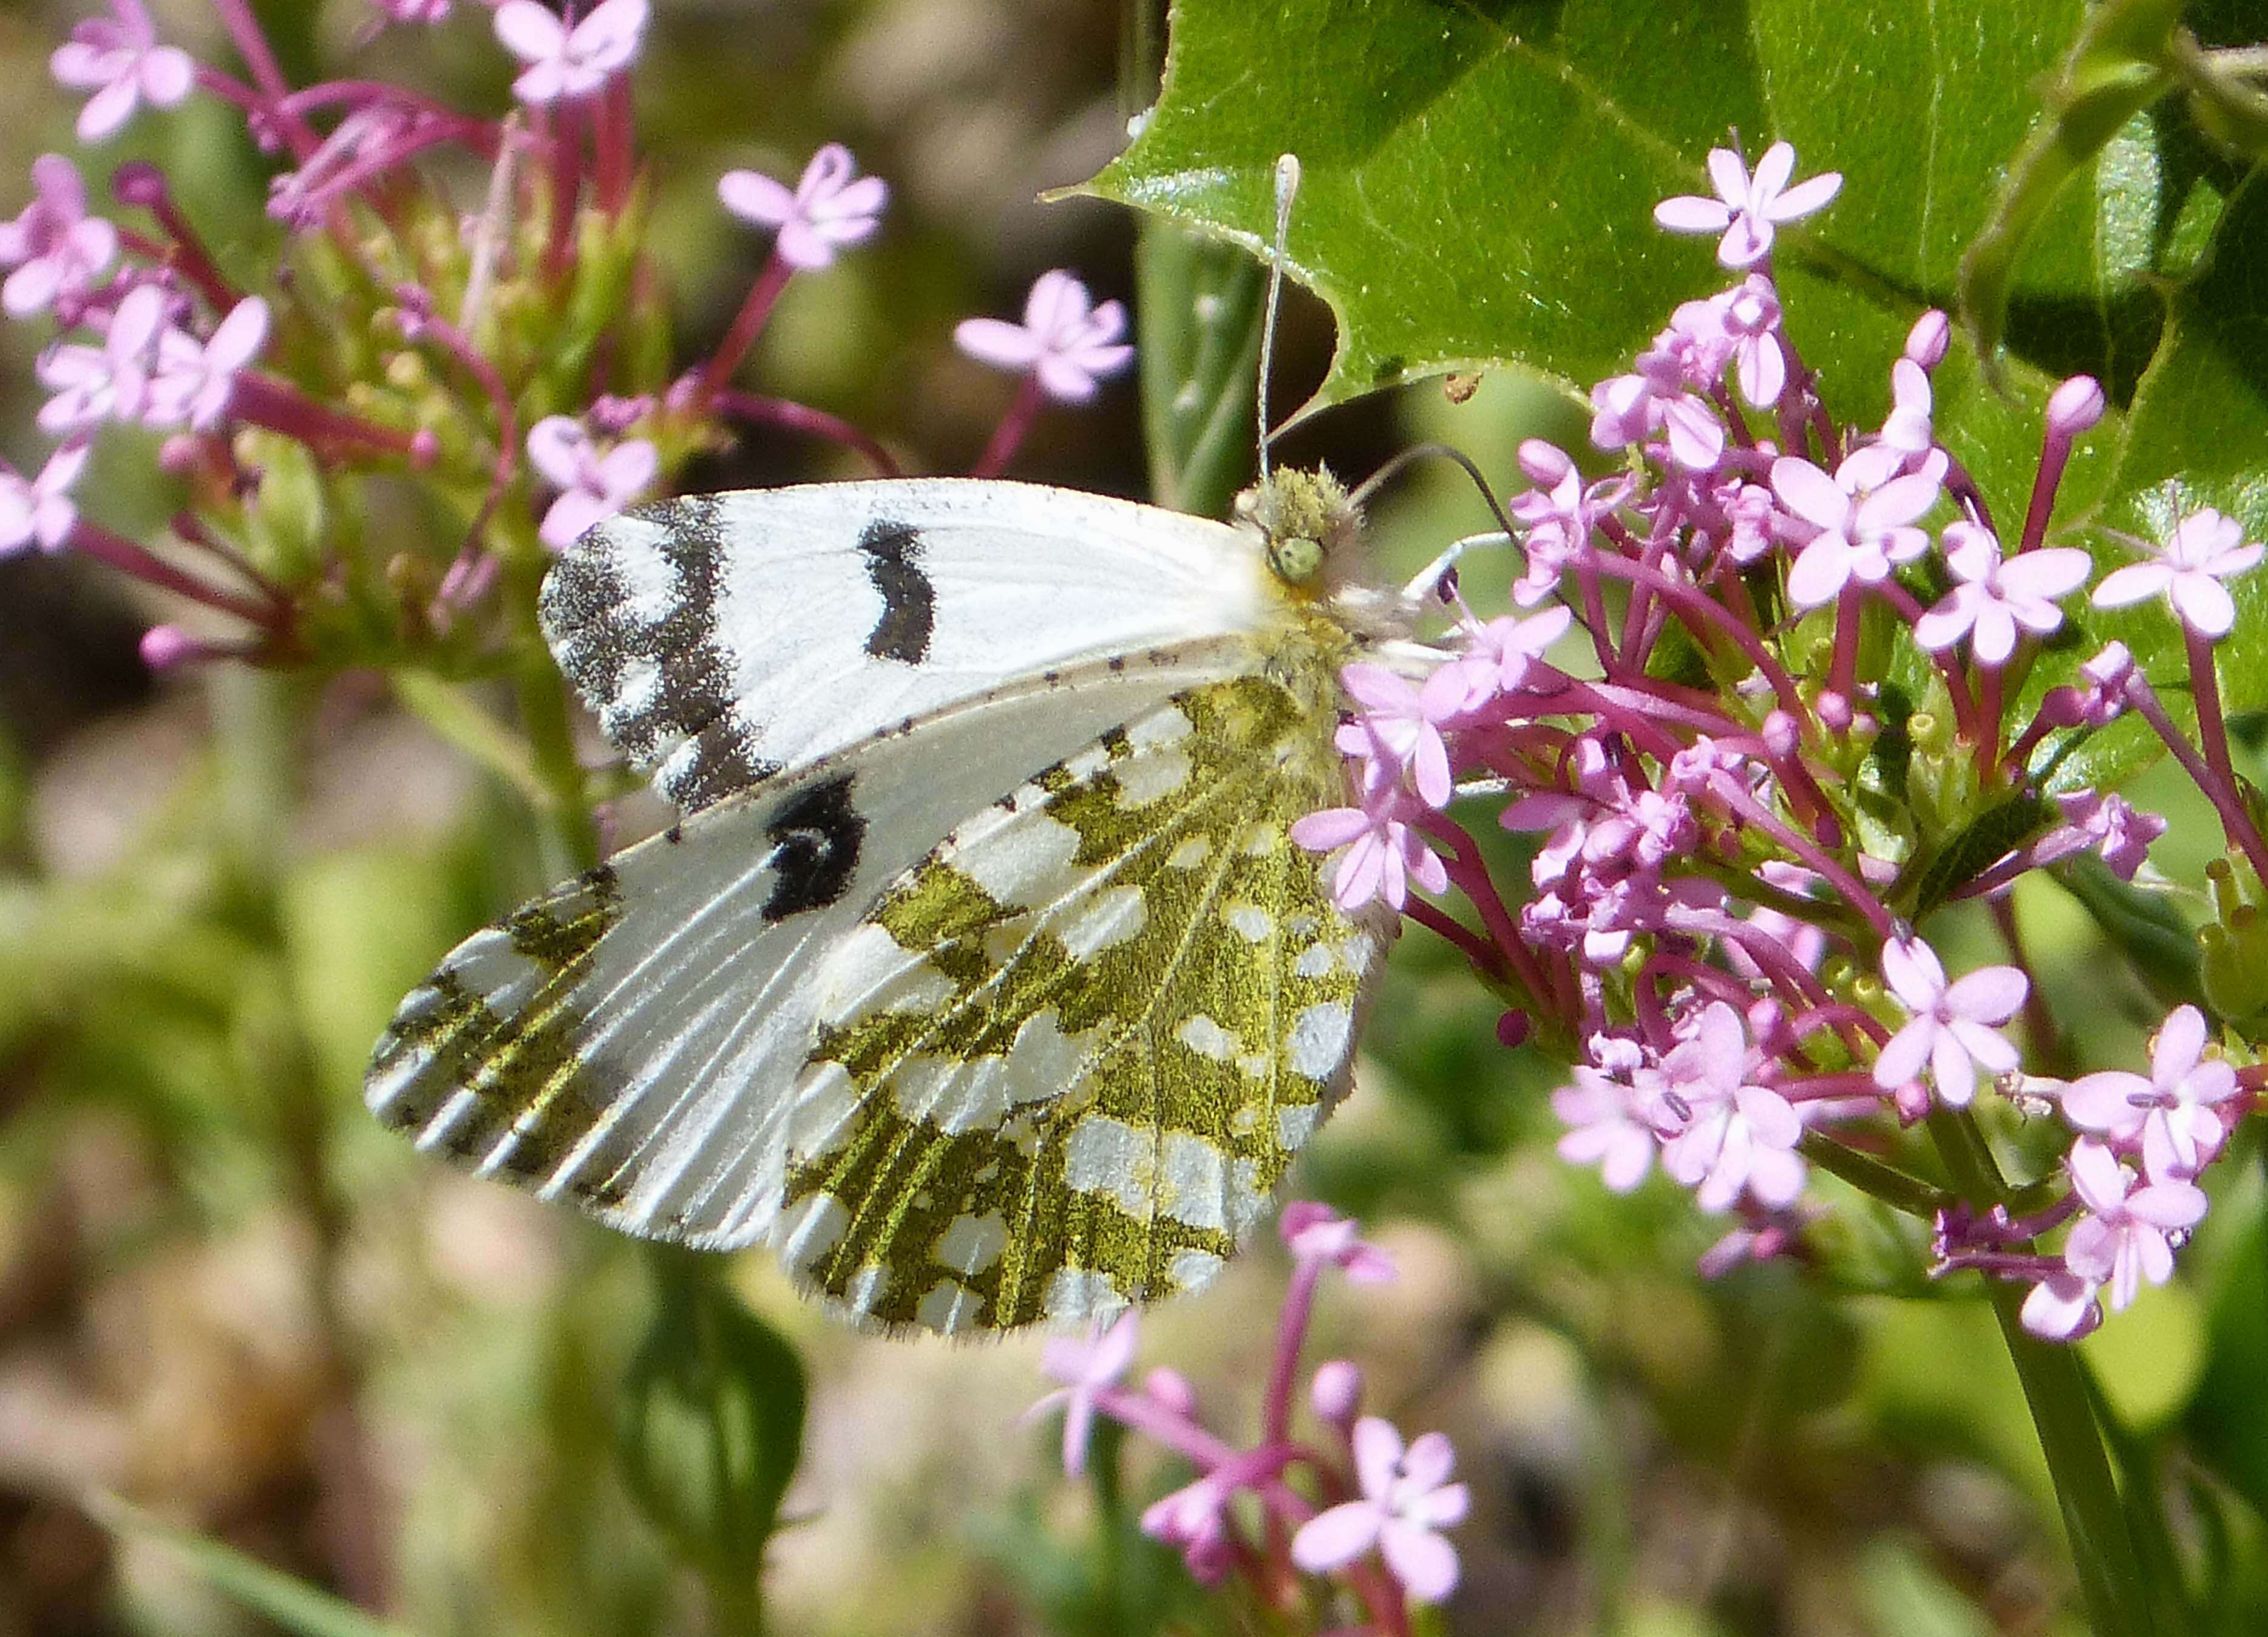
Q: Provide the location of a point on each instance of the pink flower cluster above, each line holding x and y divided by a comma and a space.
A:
1387, 1502
1686, 710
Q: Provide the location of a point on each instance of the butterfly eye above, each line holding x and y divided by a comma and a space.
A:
1296, 560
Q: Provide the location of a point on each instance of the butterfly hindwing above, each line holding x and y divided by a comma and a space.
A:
1064, 1063
632, 1039
722, 639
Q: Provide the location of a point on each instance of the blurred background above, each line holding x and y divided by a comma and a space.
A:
227, 1296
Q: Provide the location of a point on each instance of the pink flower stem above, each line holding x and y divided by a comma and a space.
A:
1184, 1437
1008, 435
252, 45
144, 185
228, 88
564, 125
1965, 493
1722, 985
1469, 874
1475, 949
2055, 454
1290, 1336
1979, 727
1702, 611
2234, 823
281, 407
1853, 892
1650, 704
1843, 669
799, 417
419, 322
361, 93
192, 531
747, 324
2204, 692
613, 140
128, 559
1768, 952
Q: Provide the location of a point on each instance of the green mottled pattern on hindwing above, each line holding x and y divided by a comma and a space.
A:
1105, 1016
498, 1021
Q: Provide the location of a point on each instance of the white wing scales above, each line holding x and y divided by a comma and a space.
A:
725, 639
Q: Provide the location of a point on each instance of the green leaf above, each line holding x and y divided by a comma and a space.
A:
1199, 305
289, 1601
2145, 927
711, 1421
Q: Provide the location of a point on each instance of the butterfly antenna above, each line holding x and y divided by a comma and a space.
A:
1287, 185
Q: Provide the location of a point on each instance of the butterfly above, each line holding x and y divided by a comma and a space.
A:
981, 977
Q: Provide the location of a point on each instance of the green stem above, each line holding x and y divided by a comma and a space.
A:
2117, 1592
1872, 1177
449, 710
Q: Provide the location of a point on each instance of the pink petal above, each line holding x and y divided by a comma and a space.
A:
2102, 1182
1430, 1461
1991, 994
1810, 493
1771, 1115
1377, 1451
1955, 1076
1897, 502
802, 246
1336, 1538
1771, 173
1776, 1177
1944, 624
1746, 242
240, 337
2101, 1102
1426, 1564
530, 32
2057, 1305
627, 468
1821, 571
608, 37
107, 110
570, 515
31, 288
1430, 872
2204, 604
756, 197
557, 445
866, 196
1913, 970
1729, 177
2134, 583
1689, 214
546, 82
1361, 874
167, 75
2049, 574
998, 343
1627, 1156
1063, 380
2169, 1206
1057, 303
1330, 828
1762, 371
1811, 194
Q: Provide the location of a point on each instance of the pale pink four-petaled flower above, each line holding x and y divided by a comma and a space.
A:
1315, 1233
830, 206
55, 248
119, 59
2176, 1111
1066, 341
595, 479
1385, 850
2124, 1239
94, 384
39, 511
2205, 548
1616, 1113
1951, 1027
1738, 1137
195, 378
1399, 729
1996, 598
1748, 207
1863, 514
1085, 1364
564, 61
1407, 1501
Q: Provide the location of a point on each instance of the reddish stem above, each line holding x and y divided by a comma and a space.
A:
799, 417
747, 324
1008, 435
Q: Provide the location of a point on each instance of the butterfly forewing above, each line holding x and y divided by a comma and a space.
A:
724, 639
633, 1038
1064, 1062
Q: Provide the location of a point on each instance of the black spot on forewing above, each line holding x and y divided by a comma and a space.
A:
909, 601
815, 838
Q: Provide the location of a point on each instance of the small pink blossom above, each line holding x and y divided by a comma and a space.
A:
1908, 429
2103, 823
1336, 1392
1498, 655
1996, 598
1864, 514
92, 384
827, 211
2126, 1237
1556, 517
1067, 342
1751, 318
194, 380
594, 482
1627, 409
119, 59
2062, 1306
1400, 728
2176, 1111
2205, 548
1616, 1113
1748, 208
1085, 1364
564, 61
1407, 1501
1738, 1137
1315, 1233
56, 249
1950, 1027
39, 512
1194, 1520
1385, 853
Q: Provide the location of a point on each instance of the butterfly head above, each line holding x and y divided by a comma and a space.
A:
1309, 527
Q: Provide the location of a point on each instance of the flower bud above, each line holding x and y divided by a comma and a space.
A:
1926, 341
1545, 463
2074, 406
1513, 1028
1336, 1392
1835, 713
1171, 1390
167, 646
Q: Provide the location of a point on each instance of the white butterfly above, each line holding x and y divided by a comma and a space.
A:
981, 977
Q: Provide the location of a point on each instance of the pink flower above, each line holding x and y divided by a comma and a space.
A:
111, 382
1407, 1500
1194, 1520
1616, 1113
1629, 408
1995, 597
194, 378
1951, 1025
1751, 318
1315, 1233
1864, 514
2205, 548
569, 62
1912, 403
1400, 728
1500, 654
2061, 1307
40, 512
2125, 1236
1068, 343
827, 211
2103, 823
1748, 208
1084, 1365
2176, 1111
1384, 851
57, 248
119, 59
1738, 1137
593, 482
